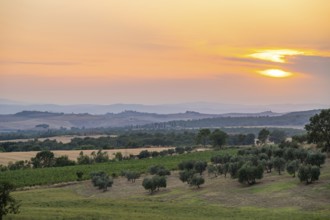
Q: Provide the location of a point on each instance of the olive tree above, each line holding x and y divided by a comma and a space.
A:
101, 180
279, 164
249, 173
308, 173
292, 167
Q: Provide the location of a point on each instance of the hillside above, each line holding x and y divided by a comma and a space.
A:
27, 120
34, 120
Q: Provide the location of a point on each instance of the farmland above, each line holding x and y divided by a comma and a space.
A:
274, 197
72, 154
52, 175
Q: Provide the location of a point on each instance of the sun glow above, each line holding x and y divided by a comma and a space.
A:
277, 56
276, 73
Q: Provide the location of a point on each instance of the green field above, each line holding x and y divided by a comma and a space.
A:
273, 197
46, 176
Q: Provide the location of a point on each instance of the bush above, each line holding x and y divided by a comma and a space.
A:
79, 175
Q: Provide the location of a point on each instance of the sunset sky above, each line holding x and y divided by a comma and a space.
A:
157, 51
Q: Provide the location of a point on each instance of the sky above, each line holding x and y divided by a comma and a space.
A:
158, 52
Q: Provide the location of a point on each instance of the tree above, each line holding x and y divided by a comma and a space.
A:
269, 165
263, 135
101, 180
132, 175
7, 203
187, 165
308, 173
119, 156
293, 167
159, 170
186, 175
63, 161
154, 183
144, 154
249, 173
318, 129
315, 158
277, 136
43, 159
196, 180
218, 138
279, 164
200, 166
203, 136
212, 169
84, 159
179, 150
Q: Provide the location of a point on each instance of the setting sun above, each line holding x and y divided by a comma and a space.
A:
277, 56
276, 73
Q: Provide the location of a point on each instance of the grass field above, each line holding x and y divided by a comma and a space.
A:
6, 157
273, 197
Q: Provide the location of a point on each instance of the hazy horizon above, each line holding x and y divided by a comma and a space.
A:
247, 52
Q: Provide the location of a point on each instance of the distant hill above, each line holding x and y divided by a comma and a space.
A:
29, 120
293, 119
12, 107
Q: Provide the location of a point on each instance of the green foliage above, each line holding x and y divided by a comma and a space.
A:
98, 157
249, 173
200, 166
277, 136
7, 203
203, 136
196, 180
292, 167
179, 150
186, 175
187, 165
31, 177
101, 180
159, 170
154, 183
263, 135
144, 154
131, 175
279, 164
308, 173
43, 159
318, 129
79, 175
218, 138
315, 158
63, 161
18, 165
84, 159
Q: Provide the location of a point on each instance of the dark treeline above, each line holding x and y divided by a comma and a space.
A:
290, 119
128, 140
